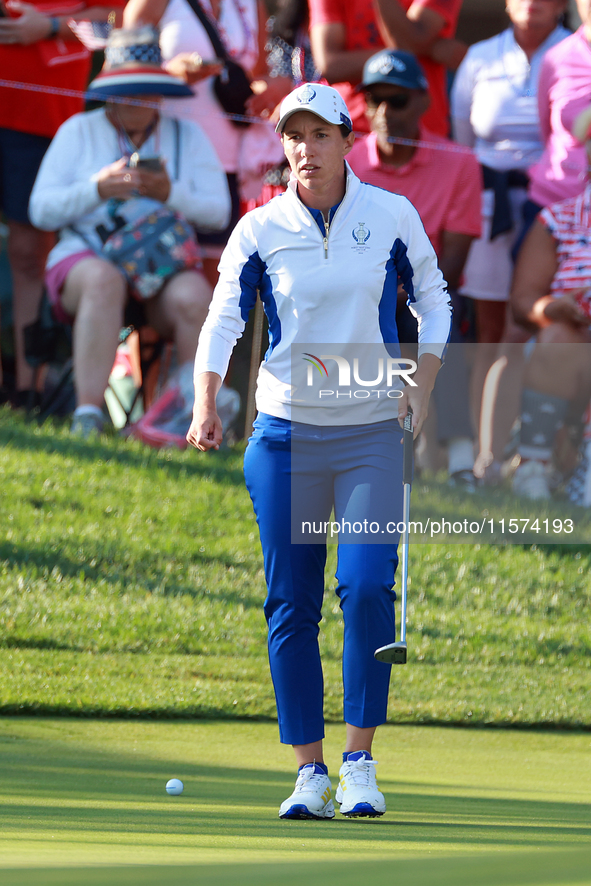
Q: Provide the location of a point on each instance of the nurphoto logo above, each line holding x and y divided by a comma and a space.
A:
337, 384
390, 371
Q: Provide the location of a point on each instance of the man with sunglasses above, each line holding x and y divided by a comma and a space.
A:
443, 182
441, 179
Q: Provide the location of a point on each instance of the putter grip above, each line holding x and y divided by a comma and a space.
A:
407, 449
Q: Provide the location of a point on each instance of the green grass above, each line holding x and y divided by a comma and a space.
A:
495, 516
543, 868
83, 801
131, 584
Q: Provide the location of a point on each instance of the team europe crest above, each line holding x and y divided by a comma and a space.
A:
305, 95
361, 235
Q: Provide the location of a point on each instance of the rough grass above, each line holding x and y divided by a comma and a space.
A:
131, 584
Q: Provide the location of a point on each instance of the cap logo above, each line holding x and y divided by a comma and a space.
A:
385, 64
306, 95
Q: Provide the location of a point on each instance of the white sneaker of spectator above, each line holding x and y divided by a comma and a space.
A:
531, 480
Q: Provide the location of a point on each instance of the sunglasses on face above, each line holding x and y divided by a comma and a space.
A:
396, 102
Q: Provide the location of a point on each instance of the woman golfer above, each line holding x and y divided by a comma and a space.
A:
327, 258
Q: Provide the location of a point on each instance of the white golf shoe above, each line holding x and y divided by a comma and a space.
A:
358, 793
312, 795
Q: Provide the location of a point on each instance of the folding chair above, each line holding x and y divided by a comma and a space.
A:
49, 341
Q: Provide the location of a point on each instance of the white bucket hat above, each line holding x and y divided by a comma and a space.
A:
324, 101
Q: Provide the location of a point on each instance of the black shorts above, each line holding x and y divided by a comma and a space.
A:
20, 158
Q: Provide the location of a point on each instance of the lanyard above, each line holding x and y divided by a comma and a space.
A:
127, 147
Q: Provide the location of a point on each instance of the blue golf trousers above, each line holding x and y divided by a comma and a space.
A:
298, 473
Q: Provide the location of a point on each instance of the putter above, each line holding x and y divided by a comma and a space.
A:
395, 653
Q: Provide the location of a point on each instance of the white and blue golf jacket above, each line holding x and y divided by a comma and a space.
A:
336, 285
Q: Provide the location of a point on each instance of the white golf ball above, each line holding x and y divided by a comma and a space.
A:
174, 787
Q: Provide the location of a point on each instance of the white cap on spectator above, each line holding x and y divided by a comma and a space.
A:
324, 101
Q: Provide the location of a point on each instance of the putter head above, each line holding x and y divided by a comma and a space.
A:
393, 653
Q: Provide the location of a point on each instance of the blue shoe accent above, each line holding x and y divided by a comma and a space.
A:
356, 755
362, 810
319, 768
299, 812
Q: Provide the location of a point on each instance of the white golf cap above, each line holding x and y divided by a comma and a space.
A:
324, 101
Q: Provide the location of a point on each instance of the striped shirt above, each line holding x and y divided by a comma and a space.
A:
569, 222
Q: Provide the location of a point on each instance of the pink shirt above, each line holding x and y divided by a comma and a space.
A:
564, 91
443, 185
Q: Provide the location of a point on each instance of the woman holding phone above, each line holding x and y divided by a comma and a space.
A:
189, 53
109, 168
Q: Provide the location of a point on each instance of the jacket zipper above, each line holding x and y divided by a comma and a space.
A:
326, 224
326, 230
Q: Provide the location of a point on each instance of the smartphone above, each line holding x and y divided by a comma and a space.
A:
154, 164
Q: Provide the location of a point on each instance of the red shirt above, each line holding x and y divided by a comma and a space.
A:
54, 63
362, 33
443, 185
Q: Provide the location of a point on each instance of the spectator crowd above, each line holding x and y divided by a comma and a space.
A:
119, 214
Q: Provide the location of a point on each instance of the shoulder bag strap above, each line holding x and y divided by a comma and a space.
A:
177, 148
210, 29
